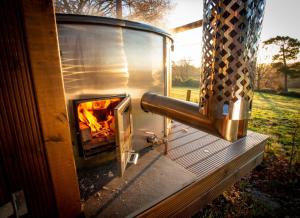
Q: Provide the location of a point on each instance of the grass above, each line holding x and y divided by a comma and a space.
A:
276, 116
272, 114
180, 93
294, 90
273, 188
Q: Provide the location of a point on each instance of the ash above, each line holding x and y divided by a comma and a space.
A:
93, 180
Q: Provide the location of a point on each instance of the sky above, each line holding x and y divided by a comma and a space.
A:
281, 18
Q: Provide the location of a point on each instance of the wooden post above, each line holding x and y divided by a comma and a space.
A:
188, 95
187, 27
41, 32
166, 148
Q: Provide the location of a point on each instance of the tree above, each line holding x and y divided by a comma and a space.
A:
288, 51
261, 71
143, 10
184, 70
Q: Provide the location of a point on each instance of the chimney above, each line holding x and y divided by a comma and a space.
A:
231, 30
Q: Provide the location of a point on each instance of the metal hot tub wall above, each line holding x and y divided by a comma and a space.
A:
102, 56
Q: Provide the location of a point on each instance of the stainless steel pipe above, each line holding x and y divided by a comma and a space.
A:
231, 30
182, 111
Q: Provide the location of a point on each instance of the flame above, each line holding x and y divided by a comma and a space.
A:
98, 116
89, 119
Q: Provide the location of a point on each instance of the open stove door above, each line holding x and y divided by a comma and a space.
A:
124, 131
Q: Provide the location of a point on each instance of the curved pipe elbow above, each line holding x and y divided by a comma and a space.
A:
188, 113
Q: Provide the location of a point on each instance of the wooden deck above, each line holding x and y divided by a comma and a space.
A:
197, 168
201, 153
216, 163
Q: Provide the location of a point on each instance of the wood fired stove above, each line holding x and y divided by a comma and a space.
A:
104, 124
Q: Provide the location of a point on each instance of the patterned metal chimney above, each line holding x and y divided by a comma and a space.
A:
231, 30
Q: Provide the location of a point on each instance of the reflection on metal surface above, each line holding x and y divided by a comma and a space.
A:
231, 30
105, 58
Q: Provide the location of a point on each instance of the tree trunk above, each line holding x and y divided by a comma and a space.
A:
258, 81
285, 83
285, 66
119, 9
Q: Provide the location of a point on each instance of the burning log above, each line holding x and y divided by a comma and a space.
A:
97, 123
85, 132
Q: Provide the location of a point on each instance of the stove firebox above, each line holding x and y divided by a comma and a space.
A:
103, 124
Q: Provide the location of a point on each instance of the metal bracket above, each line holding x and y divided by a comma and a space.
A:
133, 157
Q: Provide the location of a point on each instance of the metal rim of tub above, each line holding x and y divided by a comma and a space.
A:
108, 21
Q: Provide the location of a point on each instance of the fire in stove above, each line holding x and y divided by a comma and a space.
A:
105, 124
95, 122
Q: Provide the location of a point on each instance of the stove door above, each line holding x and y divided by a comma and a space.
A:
124, 131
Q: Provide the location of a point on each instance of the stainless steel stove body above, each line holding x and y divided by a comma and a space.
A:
104, 56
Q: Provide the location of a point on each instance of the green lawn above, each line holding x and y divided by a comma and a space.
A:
272, 114
294, 90
180, 92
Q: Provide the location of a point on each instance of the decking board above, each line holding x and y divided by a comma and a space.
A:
182, 150
181, 131
222, 185
186, 139
216, 162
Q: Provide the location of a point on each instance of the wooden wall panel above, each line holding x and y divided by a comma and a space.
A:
4, 194
22, 151
43, 52
35, 144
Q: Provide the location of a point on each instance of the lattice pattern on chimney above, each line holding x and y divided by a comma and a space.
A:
230, 39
